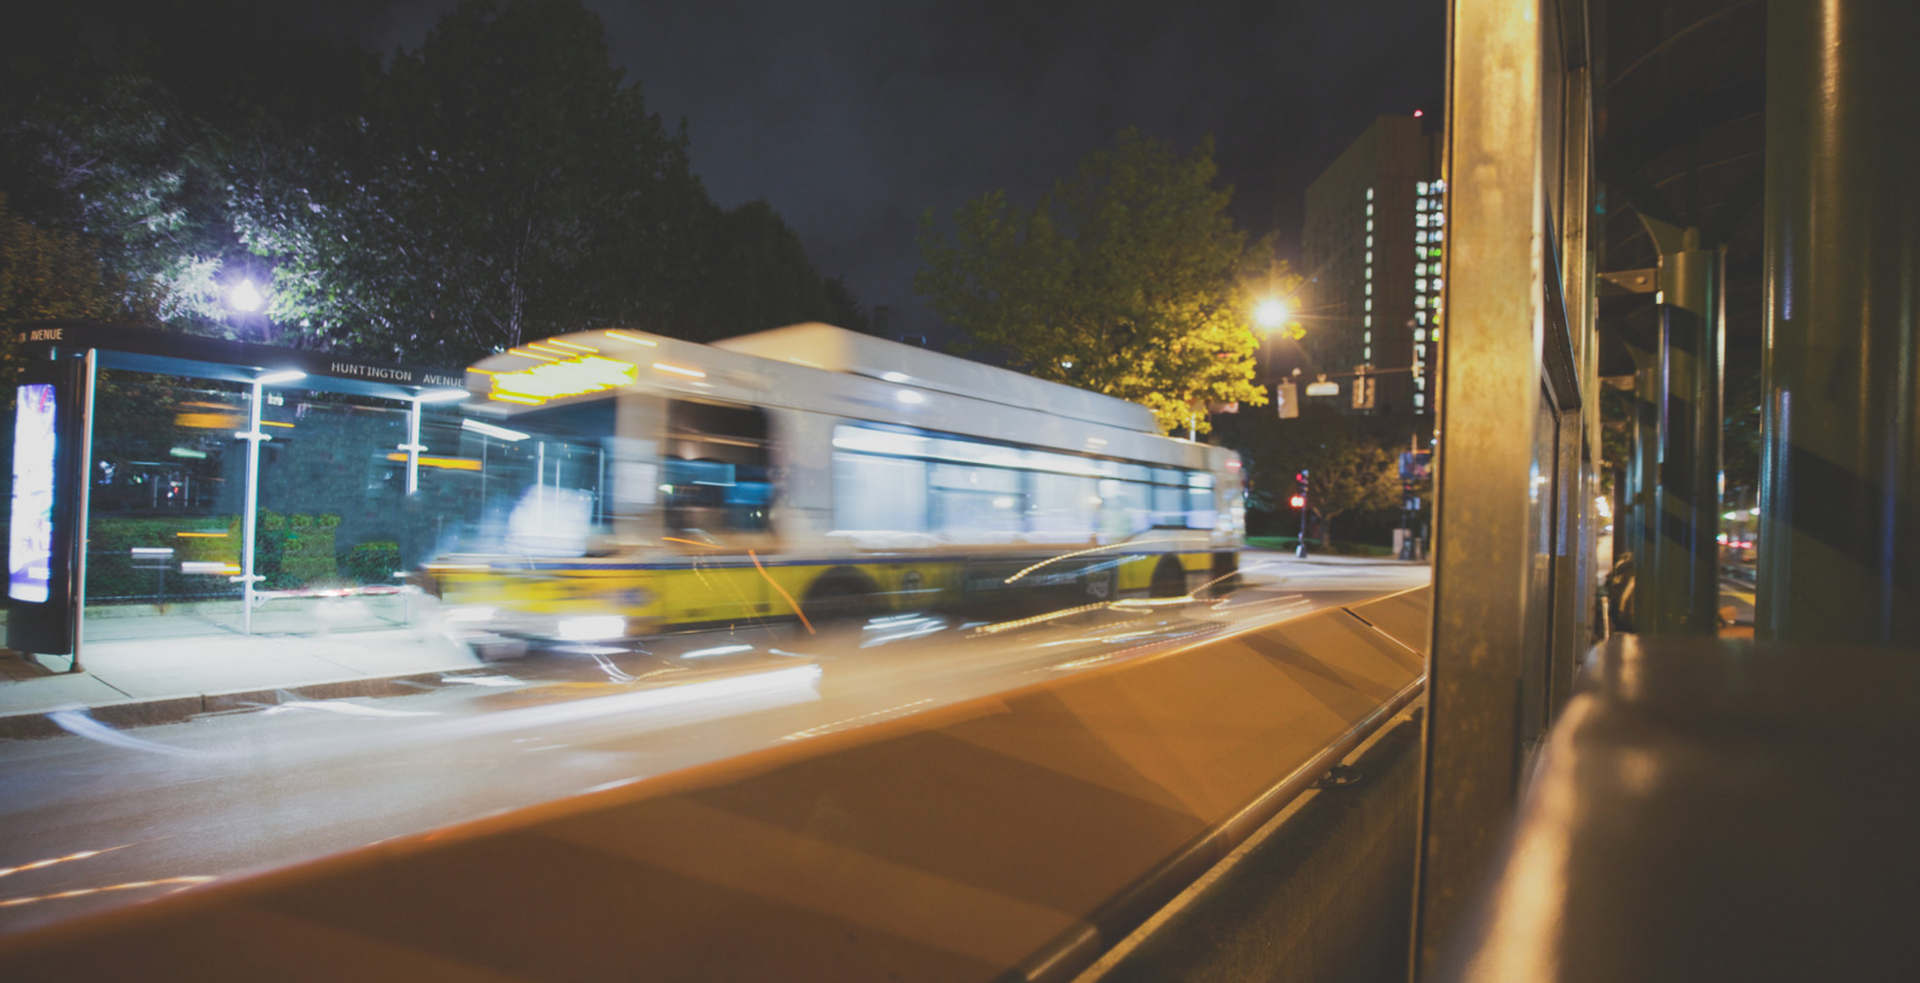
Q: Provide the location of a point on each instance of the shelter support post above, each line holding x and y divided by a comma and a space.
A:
249, 516
1839, 549
89, 378
1677, 437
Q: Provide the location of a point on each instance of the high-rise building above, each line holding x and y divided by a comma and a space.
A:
1375, 230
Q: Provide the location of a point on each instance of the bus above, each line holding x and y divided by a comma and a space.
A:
635, 484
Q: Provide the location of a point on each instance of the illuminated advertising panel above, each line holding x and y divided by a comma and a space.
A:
30, 530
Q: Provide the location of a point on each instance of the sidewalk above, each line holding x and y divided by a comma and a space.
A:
181, 666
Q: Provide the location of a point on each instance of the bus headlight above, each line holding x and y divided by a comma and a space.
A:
594, 628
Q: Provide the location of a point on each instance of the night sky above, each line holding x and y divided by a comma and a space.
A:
852, 117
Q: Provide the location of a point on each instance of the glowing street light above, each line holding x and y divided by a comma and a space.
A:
245, 297
1271, 313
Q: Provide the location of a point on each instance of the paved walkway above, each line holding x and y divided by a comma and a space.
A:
166, 667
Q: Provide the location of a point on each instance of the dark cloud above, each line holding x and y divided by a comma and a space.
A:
853, 117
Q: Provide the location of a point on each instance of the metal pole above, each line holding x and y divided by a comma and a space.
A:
412, 446
1490, 401
249, 518
1306, 502
1840, 479
88, 376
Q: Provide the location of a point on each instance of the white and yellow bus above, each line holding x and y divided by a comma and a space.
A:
642, 483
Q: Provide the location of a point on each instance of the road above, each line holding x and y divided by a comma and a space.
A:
100, 818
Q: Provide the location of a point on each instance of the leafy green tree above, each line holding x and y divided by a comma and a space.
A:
1128, 279
754, 274
1352, 464
45, 275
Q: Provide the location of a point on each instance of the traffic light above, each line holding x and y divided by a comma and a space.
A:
1298, 502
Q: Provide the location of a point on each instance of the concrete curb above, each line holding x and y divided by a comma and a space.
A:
173, 709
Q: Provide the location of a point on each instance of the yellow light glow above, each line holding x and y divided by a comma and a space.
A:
449, 463
634, 339
572, 376
270, 423
1271, 313
680, 370
538, 355
201, 535
568, 344
513, 398
206, 421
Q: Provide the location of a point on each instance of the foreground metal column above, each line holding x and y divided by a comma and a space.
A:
1840, 480
1490, 388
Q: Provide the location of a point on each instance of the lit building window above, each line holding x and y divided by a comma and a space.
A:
1366, 336
1437, 236
1366, 320
1369, 209
1436, 286
1439, 218
1419, 317
1419, 399
1420, 237
1366, 354
1419, 269
1369, 299
1369, 285
1420, 286
1369, 272
1419, 351
1369, 255
1369, 242
1369, 225
1369, 194
1419, 301
1419, 334
1420, 220
1420, 187
1439, 187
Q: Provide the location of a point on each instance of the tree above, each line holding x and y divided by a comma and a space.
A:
46, 275
1128, 279
1352, 464
754, 274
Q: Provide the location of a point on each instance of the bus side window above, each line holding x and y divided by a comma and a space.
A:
714, 473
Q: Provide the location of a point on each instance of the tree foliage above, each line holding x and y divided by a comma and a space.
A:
1352, 464
46, 275
501, 183
1128, 279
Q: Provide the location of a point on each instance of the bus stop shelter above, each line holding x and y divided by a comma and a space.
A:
156, 472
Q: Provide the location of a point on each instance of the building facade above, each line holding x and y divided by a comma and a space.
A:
1372, 243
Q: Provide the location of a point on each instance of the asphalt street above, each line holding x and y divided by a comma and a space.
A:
101, 817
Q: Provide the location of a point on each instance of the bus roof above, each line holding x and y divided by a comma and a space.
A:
824, 346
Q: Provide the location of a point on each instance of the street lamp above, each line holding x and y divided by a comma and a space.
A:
246, 297
1271, 313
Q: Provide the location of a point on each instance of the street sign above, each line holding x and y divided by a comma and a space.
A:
1323, 388
1286, 400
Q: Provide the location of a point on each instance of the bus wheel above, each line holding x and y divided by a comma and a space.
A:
840, 595
1169, 578
1225, 578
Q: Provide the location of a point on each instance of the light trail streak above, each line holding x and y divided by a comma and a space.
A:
184, 882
